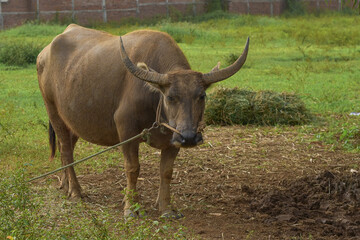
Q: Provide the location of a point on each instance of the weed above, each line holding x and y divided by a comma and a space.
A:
350, 136
17, 210
231, 58
151, 229
23, 215
250, 234
342, 132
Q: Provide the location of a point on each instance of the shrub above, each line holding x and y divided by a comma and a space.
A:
215, 5
295, 8
239, 106
19, 53
231, 58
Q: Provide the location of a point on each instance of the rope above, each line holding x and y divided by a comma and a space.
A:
170, 127
158, 117
143, 133
158, 110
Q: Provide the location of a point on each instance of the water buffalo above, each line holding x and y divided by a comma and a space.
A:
93, 90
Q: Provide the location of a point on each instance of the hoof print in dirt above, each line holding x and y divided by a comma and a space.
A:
173, 215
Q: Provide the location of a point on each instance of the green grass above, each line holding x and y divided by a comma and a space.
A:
317, 58
25, 215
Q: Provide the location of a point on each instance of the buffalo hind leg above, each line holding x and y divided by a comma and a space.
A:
132, 170
168, 156
67, 141
68, 181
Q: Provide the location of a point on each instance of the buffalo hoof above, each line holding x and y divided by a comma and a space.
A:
73, 191
172, 214
74, 195
64, 184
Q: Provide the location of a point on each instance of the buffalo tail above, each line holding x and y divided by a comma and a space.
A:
52, 141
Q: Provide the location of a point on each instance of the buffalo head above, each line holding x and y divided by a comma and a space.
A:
184, 94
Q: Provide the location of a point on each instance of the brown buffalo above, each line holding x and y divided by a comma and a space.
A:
93, 90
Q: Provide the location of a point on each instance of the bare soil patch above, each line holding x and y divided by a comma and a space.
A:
248, 183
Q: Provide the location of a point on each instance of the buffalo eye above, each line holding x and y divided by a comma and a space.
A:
202, 96
171, 99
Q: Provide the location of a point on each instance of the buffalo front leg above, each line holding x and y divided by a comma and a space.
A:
168, 156
132, 170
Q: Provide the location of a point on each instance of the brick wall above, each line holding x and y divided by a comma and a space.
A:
16, 12
276, 7
315, 5
257, 7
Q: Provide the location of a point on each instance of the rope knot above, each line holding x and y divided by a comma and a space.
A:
146, 135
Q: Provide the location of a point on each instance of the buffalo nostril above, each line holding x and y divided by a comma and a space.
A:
199, 139
189, 138
188, 135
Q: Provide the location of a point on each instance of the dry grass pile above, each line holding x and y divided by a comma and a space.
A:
239, 106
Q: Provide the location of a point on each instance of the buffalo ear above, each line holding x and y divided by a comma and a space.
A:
144, 66
216, 68
152, 86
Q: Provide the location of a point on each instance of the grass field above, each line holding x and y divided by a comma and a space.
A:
316, 57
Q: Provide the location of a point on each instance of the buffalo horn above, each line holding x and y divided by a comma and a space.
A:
151, 77
222, 74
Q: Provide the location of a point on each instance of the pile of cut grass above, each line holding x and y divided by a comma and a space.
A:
240, 106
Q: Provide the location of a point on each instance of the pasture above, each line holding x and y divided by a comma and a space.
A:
244, 182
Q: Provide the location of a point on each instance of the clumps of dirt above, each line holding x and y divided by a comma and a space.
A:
329, 203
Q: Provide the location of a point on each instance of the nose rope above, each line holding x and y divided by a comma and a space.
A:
201, 126
158, 116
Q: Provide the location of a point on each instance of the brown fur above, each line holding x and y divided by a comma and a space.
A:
89, 93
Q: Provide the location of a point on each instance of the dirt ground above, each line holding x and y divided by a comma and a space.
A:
248, 183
